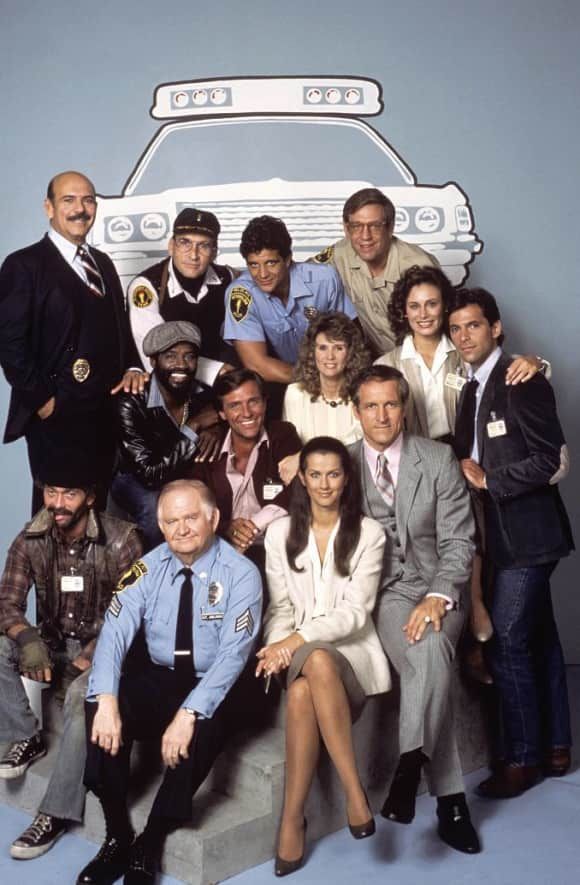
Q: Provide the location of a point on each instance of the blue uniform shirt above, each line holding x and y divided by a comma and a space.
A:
251, 315
227, 608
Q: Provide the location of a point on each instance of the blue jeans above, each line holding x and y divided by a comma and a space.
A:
528, 664
141, 505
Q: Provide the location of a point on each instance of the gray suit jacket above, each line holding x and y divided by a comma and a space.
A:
434, 518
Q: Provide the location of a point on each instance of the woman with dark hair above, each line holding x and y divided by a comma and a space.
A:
331, 356
323, 564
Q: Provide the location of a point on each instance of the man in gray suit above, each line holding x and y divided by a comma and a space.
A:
414, 488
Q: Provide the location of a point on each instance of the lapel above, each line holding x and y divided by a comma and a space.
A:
407, 485
453, 364
496, 378
357, 455
413, 373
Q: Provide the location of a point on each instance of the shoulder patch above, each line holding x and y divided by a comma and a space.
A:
132, 576
240, 301
325, 256
142, 297
115, 606
245, 622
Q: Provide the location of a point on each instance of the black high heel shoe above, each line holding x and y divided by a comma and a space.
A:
363, 831
285, 867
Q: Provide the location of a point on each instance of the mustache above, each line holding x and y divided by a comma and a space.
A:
60, 511
81, 216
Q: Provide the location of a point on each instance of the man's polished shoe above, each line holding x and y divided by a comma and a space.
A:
109, 864
400, 803
455, 826
557, 762
509, 781
143, 863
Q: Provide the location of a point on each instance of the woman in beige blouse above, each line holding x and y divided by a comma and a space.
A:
323, 565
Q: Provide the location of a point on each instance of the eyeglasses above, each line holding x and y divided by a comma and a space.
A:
185, 245
374, 227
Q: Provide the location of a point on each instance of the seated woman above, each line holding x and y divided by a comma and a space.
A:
323, 563
332, 354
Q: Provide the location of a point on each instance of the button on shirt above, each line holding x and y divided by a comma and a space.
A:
482, 375
432, 381
227, 605
283, 326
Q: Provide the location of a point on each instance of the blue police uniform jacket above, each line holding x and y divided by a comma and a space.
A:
227, 607
252, 315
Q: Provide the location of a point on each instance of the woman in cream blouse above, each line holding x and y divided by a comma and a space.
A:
323, 565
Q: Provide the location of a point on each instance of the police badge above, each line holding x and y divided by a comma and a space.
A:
214, 593
81, 370
311, 313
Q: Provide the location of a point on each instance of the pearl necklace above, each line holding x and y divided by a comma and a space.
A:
333, 403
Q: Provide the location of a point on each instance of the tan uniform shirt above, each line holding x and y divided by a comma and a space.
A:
370, 295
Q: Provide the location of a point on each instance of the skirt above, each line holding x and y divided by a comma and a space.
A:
354, 692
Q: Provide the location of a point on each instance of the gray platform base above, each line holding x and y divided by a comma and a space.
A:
235, 814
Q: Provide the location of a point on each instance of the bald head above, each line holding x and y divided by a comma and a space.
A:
188, 518
71, 205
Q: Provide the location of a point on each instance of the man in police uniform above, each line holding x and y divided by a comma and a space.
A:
370, 260
65, 339
199, 603
269, 307
74, 557
186, 286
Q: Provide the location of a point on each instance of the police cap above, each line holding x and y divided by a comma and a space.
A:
196, 221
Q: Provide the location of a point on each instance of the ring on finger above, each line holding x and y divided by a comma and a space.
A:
427, 619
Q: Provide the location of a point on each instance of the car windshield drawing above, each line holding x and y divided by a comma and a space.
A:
296, 166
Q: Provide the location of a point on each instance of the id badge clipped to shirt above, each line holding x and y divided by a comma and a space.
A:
271, 489
496, 427
72, 583
455, 382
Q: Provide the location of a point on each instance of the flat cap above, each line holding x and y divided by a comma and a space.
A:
196, 221
165, 335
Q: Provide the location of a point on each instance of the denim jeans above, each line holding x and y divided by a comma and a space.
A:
528, 664
65, 793
141, 505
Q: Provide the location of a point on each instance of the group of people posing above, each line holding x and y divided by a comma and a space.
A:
324, 471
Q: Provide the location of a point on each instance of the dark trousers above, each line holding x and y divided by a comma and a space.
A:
141, 505
528, 664
148, 701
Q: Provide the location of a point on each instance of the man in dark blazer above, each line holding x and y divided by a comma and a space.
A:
244, 477
65, 341
413, 487
513, 449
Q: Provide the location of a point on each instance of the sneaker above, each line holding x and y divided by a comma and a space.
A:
38, 838
20, 755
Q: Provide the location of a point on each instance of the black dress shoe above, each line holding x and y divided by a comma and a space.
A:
143, 863
400, 803
455, 826
285, 867
109, 864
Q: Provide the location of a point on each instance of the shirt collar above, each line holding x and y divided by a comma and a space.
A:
392, 454
174, 287
409, 351
228, 449
486, 368
201, 567
67, 249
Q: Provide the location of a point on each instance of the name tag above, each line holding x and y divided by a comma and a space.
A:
455, 382
71, 584
212, 616
271, 490
496, 428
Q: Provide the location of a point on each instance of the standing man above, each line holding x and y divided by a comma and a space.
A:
414, 488
511, 443
269, 307
244, 477
74, 557
65, 339
165, 428
370, 260
199, 603
188, 286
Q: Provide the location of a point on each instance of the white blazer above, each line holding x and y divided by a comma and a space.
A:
346, 622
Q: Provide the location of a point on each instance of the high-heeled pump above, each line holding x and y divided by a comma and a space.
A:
363, 831
285, 867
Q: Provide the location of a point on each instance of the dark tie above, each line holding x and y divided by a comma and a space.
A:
94, 278
183, 656
465, 421
384, 480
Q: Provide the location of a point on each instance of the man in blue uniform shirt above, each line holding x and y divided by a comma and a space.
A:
269, 306
199, 604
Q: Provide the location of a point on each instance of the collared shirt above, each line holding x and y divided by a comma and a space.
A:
69, 251
155, 401
227, 606
245, 504
392, 454
482, 376
432, 380
322, 572
252, 315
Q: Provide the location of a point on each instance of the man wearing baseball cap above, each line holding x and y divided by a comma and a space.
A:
186, 286
164, 429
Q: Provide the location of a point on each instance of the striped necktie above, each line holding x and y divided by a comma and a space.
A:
94, 278
384, 480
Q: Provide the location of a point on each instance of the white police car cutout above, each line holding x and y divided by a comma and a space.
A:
292, 147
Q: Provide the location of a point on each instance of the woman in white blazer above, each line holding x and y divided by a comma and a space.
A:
323, 565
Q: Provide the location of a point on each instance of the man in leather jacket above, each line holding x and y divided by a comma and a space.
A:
75, 558
166, 428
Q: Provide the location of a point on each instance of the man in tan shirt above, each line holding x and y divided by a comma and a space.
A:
370, 260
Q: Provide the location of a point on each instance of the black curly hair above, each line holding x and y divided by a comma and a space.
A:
415, 276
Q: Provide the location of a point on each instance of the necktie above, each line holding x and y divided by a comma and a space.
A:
465, 421
94, 278
384, 480
183, 656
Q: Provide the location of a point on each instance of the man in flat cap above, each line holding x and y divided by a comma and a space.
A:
187, 285
164, 429
74, 557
